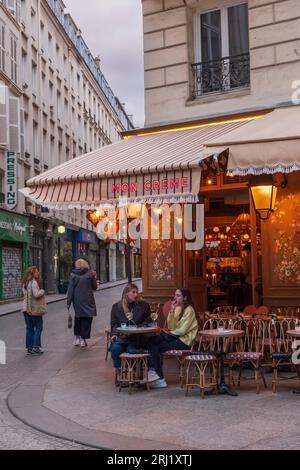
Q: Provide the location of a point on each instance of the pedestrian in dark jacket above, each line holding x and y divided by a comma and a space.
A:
140, 315
80, 292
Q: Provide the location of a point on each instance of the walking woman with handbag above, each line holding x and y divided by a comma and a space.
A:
80, 293
34, 307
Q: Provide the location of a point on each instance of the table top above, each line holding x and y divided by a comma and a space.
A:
224, 333
138, 329
294, 333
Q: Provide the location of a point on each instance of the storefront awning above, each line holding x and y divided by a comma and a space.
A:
267, 145
154, 168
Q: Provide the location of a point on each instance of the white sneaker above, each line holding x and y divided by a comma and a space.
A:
76, 341
160, 383
152, 375
83, 343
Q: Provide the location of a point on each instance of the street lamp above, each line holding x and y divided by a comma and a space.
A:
263, 193
61, 229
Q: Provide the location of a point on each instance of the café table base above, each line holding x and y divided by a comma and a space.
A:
225, 389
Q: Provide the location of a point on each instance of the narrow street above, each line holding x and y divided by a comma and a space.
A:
57, 340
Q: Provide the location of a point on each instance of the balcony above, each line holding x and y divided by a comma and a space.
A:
223, 75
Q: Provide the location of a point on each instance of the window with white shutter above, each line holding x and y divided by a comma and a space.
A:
4, 136
13, 58
14, 124
2, 46
22, 134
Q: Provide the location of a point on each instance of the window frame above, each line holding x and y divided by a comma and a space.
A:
2, 46
13, 57
224, 28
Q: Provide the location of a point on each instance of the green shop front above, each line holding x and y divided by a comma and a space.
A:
14, 246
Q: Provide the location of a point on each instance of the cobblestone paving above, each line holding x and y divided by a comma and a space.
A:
57, 339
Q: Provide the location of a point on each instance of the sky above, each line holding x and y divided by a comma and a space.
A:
113, 29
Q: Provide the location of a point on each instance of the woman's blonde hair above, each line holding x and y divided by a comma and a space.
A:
81, 264
124, 300
28, 275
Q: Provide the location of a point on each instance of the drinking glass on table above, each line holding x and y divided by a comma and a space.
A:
154, 317
129, 316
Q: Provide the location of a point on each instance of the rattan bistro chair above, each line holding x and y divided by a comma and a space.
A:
134, 370
281, 352
107, 342
249, 350
201, 372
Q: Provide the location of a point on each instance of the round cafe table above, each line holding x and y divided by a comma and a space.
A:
138, 330
295, 334
218, 333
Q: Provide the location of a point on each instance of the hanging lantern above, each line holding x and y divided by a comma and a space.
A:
61, 229
263, 193
95, 216
134, 211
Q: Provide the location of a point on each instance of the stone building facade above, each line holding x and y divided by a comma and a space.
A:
178, 34
55, 104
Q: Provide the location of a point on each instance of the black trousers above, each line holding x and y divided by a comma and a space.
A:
82, 327
157, 345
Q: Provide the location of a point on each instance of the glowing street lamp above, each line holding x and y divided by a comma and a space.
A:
263, 193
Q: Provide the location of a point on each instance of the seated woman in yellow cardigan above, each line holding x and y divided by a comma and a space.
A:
182, 330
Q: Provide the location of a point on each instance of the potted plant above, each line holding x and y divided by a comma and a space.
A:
65, 263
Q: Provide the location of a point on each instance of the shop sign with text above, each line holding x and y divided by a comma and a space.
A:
13, 227
11, 190
166, 184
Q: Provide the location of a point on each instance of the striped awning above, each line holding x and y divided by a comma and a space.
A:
265, 146
154, 168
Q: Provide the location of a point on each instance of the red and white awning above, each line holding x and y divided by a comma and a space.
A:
152, 168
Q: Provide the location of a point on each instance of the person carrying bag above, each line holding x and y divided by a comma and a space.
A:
34, 307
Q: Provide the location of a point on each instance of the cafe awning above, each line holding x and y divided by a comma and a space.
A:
267, 145
161, 167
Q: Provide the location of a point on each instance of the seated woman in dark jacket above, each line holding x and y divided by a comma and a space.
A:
140, 315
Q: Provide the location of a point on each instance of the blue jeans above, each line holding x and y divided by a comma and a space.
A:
34, 327
117, 348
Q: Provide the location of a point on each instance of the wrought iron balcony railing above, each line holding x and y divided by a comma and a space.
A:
221, 75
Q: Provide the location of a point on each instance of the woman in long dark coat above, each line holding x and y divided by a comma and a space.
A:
80, 292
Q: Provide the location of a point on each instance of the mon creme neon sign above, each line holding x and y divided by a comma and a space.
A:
150, 185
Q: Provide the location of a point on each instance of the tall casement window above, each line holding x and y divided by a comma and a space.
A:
2, 46
13, 58
222, 50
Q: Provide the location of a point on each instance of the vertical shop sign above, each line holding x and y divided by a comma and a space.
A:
11, 191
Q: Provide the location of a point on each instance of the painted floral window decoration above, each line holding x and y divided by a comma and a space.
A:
162, 259
286, 224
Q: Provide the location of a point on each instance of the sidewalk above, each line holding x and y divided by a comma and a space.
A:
74, 398
14, 307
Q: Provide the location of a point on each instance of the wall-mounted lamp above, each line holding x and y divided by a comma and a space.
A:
61, 229
263, 193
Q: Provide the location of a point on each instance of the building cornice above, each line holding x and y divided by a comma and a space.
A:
194, 123
11, 85
8, 13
